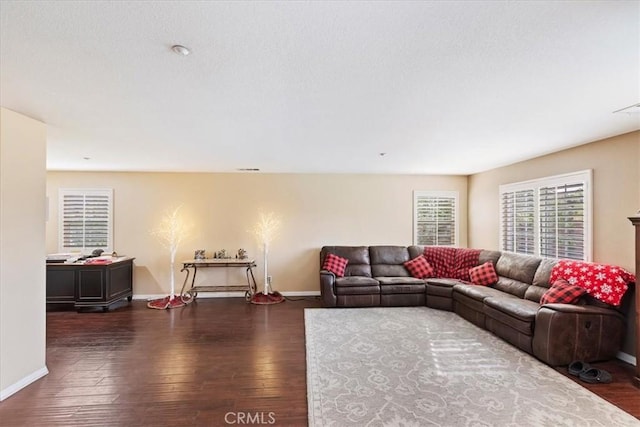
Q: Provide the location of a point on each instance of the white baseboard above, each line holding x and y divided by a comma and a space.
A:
16, 387
301, 294
148, 297
625, 357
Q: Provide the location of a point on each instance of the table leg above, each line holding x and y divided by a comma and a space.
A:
251, 281
184, 284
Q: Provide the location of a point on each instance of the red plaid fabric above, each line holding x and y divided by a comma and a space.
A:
464, 260
335, 264
451, 263
562, 292
419, 267
606, 283
483, 275
440, 258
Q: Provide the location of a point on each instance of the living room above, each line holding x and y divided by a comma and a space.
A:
372, 203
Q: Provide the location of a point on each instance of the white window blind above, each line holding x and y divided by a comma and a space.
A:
562, 221
548, 217
85, 220
518, 225
435, 218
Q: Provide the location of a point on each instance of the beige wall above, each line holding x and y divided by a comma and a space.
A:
616, 196
316, 210
22, 251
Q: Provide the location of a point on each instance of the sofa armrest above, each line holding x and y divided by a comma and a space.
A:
327, 288
583, 309
565, 332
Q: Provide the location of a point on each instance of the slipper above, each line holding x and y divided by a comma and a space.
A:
578, 367
595, 376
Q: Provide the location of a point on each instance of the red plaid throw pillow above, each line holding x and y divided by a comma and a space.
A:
484, 274
419, 267
335, 264
562, 292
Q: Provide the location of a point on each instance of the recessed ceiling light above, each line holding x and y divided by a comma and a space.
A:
248, 170
382, 154
629, 110
180, 50
87, 158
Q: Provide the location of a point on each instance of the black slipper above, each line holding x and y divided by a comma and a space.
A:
595, 376
578, 367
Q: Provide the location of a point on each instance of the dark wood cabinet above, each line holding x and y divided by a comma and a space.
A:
90, 285
636, 222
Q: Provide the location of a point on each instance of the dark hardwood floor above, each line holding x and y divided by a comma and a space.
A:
214, 359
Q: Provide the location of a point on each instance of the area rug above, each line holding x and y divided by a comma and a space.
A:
416, 366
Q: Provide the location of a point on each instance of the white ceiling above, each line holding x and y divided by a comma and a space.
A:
441, 87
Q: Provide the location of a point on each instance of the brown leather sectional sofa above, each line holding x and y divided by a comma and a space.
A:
554, 333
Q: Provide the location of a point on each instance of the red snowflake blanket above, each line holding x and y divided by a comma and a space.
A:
606, 283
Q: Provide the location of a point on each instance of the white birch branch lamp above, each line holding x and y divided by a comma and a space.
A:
265, 231
171, 232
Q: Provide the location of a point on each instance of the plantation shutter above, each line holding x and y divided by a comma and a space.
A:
518, 221
435, 218
548, 217
85, 220
562, 221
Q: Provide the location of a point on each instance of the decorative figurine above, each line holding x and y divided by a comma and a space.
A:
199, 254
242, 254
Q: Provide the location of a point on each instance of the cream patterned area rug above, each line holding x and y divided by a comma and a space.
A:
416, 366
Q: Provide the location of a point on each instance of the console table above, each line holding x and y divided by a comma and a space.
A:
195, 264
90, 285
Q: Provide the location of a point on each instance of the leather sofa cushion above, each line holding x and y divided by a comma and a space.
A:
400, 288
442, 287
414, 251
479, 293
396, 255
358, 256
355, 281
356, 286
515, 313
512, 286
534, 293
517, 267
388, 270
445, 282
486, 255
517, 308
400, 281
543, 272
388, 261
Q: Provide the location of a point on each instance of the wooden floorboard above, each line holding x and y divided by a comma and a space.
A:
191, 366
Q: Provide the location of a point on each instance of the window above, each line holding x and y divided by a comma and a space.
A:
548, 217
85, 220
518, 225
435, 218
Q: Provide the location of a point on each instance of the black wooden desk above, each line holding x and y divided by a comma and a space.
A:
90, 285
